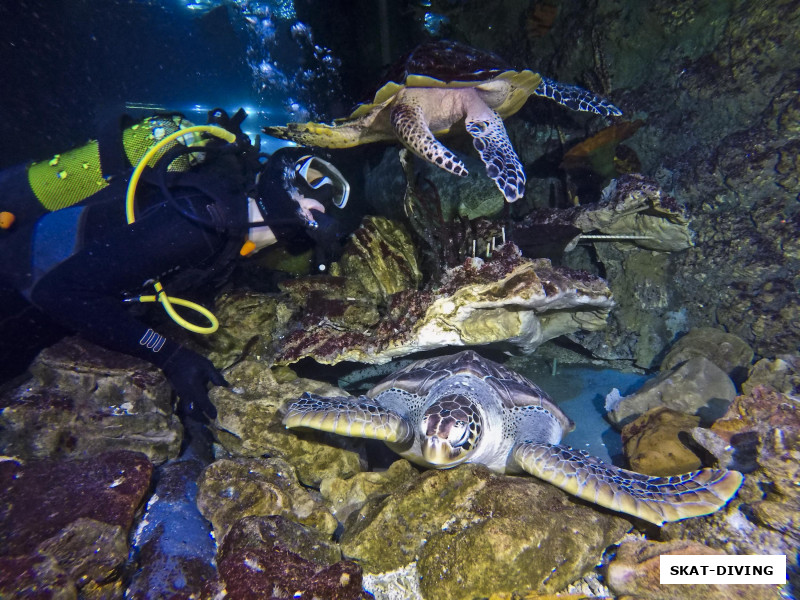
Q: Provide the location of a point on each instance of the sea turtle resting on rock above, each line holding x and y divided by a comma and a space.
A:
435, 86
441, 412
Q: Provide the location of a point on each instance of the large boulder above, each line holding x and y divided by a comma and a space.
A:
473, 533
249, 423
653, 445
696, 387
83, 400
230, 489
64, 525
729, 352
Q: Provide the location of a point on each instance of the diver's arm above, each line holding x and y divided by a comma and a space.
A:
85, 293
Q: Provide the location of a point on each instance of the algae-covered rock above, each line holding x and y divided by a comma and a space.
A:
64, 525
265, 533
347, 495
381, 258
278, 573
634, 205
504, 299
729, 352
653, 446
84, 400
763, 430
249, 422
248, 324
474, 533
696, 387
231, 489
91, 553
635, 571
781, 374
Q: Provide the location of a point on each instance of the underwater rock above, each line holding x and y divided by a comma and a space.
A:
635, 572
633, 207
506, 298
259, 551
266, 533
474, 533
248, 323
652, 444
781, 374
91, 553
64, 524
380, 258
633, 230
636, 205
230, 489
84, 400
277, 573
747, 421
729, 352
763, 429
40, 498
173, 544
696, 387
249, 422
35, 576
347, 495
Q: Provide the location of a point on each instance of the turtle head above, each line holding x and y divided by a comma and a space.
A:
450, 430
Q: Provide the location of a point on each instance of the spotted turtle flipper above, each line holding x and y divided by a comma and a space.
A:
491, 140
654, 499
576, 98
352, 417
409, 123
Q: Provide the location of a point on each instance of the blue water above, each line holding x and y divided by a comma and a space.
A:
580, 391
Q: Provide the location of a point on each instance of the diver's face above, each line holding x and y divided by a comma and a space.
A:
306, 205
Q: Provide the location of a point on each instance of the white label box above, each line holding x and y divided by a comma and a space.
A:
688, 569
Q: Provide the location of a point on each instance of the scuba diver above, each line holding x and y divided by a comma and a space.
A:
81, 234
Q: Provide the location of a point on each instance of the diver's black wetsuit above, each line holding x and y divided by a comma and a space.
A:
79, 263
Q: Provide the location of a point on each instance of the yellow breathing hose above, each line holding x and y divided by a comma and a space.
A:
161, 296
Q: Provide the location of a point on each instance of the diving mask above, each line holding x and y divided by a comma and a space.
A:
322, 176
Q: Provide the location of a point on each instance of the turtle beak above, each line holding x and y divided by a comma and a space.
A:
440, 453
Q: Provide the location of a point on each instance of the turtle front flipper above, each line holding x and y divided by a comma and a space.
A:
411, 127
350, 417
576, 98
491, 140
654, 499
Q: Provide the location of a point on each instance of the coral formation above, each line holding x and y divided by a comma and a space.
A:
505, 298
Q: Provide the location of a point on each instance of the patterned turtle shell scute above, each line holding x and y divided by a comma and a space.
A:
514, 390
447, 61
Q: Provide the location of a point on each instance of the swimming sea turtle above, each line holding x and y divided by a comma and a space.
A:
435, 86
445, 411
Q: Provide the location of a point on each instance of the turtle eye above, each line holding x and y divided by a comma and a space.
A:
459, 434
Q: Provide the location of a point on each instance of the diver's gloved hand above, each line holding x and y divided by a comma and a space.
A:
328, 237
189, 374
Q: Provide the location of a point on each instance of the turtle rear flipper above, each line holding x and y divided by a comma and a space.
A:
410, 125
491, 140
350, 417
654, 499
576, 98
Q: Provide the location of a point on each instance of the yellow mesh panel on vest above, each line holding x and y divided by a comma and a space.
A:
67, 178
73, 176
